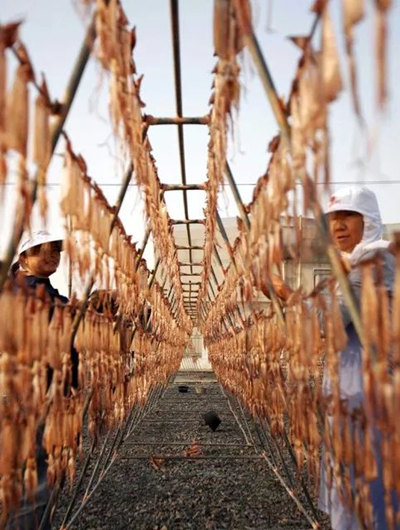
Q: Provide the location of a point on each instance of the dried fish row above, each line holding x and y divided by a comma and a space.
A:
114, 372
224, 99
36, 345
274, 366
276, 372
295, 392
33, 346
20, 140
113, 47
130, 292
131, 295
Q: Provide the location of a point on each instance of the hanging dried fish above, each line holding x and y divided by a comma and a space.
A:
353, 12
330, 69
17, 109
42, 143
3, 85
381, 9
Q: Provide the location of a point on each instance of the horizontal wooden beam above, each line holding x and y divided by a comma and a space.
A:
190, 264
177, 120
188, 248
187, 221
183, 187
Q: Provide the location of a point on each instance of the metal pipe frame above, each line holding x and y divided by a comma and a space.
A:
237, 197
190, 264
177, 120
188, 248
226, 239
214, 277
85, 302
122, 193
182, 187
179, 112
278, 109
187, 222
219, 260
251, 42
212, 292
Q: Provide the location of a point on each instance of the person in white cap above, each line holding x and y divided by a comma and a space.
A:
38, 258
355, 227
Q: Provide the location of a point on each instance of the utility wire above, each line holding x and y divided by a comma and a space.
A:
225, 184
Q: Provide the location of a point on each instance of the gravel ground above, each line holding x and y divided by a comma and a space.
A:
148, 489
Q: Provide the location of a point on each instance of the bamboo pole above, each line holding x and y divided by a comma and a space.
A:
120, 433
122, 193
314, 524
251, 42
76, 76
77, 486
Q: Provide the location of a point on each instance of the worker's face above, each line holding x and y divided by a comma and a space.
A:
346, 229
42, 260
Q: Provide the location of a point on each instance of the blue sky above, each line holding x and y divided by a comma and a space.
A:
53, 32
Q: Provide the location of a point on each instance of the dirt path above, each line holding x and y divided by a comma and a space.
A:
152, 485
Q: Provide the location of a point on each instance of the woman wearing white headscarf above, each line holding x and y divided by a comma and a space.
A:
356, 229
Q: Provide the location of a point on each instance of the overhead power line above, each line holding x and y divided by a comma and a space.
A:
335, 183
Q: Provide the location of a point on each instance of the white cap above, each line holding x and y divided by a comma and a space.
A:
363, 201
356, 199
38, 238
